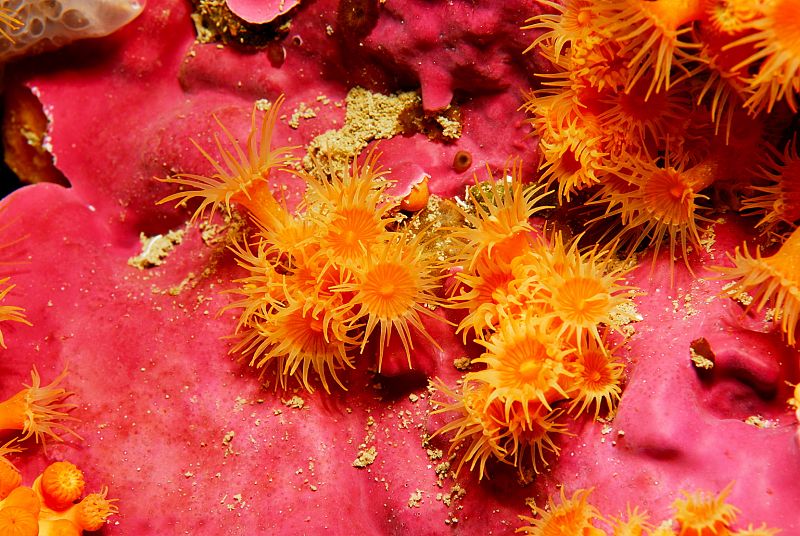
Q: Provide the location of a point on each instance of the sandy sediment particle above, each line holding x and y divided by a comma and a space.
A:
155, 249
366, 456
415, 499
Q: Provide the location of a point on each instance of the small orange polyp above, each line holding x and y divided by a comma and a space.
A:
37, 411
770, 278
703, 514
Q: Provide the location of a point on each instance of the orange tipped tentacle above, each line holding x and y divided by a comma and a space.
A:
779, 200
11, 313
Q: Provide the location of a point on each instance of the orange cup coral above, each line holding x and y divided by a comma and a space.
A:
38, 411
774, 278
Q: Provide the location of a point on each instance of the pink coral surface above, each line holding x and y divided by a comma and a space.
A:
189, 440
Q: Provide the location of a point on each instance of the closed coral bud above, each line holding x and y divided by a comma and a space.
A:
38, 410
61, 485
94, 509
417, 199
10, 477
25, 498
16, 521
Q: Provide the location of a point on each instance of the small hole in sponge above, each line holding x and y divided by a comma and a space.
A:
462, 161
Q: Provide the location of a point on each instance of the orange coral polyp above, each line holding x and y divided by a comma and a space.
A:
261, 290
392, 289
502, 210
492, 290
650, 33
597, 379
38, 411
530, 439
569, 518
524, 363
93, 511
779, 201
241, 175
575, 157
634, 525
301, 339
776, 39
480, 425
578, 291
703, 514
662, 205
349, 210
571, 27
352, 233
775, 278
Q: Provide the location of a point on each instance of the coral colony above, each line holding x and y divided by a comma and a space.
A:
649, 117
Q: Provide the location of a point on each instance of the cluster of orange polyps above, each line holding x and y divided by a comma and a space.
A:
540, 309
630, 120
53, 505
630, 116
697, 513
50, 505
323, 279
